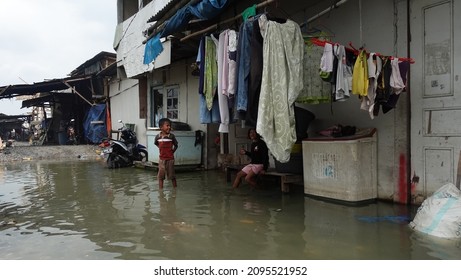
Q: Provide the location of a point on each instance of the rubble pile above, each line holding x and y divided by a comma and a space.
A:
23, 151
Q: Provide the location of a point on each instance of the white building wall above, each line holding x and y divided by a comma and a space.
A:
124, 105
129, 43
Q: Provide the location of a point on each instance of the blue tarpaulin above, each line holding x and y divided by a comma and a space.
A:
205, 9
94, 125
153, 48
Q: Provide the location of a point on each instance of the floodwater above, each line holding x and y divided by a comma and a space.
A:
82, 210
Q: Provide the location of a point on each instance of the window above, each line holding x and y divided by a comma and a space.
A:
159, 96
129, 8
156, 106
144, 3
172, 101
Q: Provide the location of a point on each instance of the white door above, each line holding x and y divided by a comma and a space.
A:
435, 94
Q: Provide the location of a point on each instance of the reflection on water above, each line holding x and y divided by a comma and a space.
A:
82, 210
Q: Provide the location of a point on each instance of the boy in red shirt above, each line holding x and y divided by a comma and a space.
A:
167, 144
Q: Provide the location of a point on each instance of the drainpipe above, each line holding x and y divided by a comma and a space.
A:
408, 95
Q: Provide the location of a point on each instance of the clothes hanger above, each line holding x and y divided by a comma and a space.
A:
272, 17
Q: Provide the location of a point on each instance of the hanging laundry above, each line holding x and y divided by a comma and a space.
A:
232, 54
326, 62
243, 62
396, 81
404, 66
383, 90
256, 70
374, 69
211, 72
233, 68
208, 116
223, 76
378, 80
398, 76
315, 90
201, 64
343, 85
329, 68
360, 75
282, 81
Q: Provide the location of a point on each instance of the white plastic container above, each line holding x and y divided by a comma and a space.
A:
341, 168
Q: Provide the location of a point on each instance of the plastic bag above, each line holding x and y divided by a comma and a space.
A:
440, 214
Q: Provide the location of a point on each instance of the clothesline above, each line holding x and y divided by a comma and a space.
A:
351, 48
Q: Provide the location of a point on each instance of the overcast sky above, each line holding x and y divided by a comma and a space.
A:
48, 39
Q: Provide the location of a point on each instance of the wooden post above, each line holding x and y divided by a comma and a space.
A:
76, 92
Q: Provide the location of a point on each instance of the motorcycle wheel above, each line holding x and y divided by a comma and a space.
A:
142, 156
113, 161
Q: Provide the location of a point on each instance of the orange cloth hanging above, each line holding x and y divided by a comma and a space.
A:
108, 121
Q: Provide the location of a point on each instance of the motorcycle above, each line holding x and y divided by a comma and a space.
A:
125, 151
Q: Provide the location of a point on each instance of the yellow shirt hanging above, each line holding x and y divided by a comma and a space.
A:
360, 75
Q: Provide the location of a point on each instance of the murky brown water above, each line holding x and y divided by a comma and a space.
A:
82, 210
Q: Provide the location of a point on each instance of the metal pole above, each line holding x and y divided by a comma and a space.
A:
337, 4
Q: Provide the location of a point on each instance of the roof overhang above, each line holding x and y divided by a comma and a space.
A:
46, 86
162, 7
38, 101
13, 118
48, 98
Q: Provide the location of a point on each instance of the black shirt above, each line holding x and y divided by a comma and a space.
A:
259, 153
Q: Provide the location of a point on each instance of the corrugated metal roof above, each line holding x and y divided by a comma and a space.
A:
46, 86
107, 56
161, 6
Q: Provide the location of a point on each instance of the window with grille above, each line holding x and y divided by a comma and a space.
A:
164, 102
172, 101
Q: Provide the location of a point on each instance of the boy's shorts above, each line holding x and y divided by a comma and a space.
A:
166, 167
